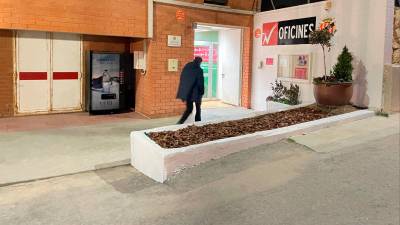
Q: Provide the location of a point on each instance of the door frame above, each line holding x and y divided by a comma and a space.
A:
16, 80
241, 28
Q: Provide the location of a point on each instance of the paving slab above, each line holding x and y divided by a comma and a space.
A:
55, 145
279, 184
350, 134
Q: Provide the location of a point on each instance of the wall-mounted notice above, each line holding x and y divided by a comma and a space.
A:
172, 65
174, 41
139, 61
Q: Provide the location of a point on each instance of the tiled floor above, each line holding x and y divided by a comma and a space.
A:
63, 120
215, 104
40, 122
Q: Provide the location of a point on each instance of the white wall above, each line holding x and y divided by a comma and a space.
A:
363, 25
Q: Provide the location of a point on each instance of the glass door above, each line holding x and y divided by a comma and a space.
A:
208, 51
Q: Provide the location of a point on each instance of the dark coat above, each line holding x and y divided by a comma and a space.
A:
191, 85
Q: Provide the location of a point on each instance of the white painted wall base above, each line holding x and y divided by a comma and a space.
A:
159, 163
278, 107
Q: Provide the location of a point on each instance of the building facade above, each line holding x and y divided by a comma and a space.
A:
44, 46
364, 26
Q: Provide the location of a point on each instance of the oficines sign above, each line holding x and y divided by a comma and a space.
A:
289, 32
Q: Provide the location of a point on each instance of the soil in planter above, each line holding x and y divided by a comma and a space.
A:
192, 135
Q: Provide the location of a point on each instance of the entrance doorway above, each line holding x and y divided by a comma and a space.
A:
221, 50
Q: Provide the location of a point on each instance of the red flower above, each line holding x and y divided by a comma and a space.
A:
329, 25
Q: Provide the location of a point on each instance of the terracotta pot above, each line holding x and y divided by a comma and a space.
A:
334, 94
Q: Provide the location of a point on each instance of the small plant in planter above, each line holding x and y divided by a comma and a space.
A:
283, 96
277, 92
323, 37
343, 69
335, 89
292, 94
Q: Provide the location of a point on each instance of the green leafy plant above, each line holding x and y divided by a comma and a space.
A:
343, 69
292, 94
278, 90
323, 37
282, 94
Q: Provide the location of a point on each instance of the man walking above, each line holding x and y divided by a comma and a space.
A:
191, 88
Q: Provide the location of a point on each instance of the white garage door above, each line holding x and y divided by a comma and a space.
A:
49, 68
66, 74
33, 68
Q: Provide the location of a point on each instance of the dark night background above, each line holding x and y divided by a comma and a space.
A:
267, 5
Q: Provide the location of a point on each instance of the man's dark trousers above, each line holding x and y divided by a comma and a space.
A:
189, 110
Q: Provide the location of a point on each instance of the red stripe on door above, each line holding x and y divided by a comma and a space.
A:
33, 76
65, 75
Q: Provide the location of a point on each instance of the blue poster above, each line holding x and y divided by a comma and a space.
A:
105, 81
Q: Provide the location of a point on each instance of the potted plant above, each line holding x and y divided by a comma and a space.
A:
282, 97
335, 89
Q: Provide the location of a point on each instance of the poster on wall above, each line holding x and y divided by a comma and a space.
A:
293, 67
105, 81
301, 67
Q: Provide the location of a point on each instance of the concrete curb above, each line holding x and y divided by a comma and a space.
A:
159, 163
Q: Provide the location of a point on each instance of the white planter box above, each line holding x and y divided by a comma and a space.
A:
276, 106
159, 163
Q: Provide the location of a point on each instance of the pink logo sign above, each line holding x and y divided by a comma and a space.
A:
269, 61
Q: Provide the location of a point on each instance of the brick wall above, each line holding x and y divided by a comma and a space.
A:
157, 89
143, 87
102, 17
234, 4
6, 73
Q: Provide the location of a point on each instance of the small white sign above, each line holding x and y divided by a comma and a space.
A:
174, 41
139, 60
172, 65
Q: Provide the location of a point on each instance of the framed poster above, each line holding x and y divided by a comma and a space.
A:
104, 81
294, 67
110, 82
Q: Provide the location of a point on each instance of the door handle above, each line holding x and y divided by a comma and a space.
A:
223, 75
